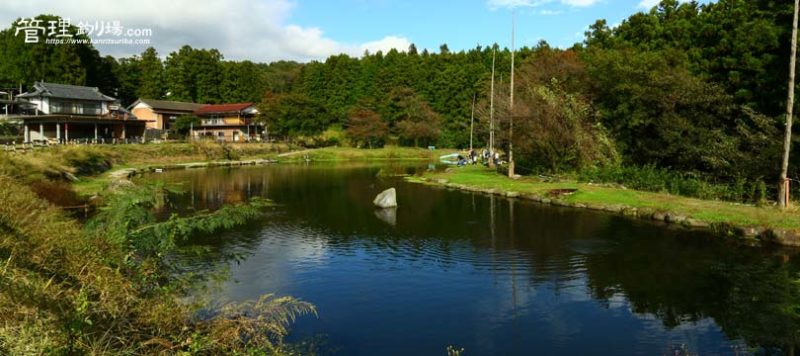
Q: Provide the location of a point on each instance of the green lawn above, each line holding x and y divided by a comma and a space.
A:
708, 211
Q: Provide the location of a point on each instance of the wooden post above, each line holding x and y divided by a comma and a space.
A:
472, 123
491, 113
511, 105
788, 189
783, 192
41, 131
58, 132
27, 131
66, 132
95, 132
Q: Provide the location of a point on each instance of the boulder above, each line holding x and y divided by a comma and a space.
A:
386, 199
388, 215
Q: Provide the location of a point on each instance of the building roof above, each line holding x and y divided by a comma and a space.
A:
222, 108
166, 105
65, 91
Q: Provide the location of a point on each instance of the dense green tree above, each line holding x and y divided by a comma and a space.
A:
151, 75
129, 77
24, 63
194, 75
184, 123
661, 114
279, 77
741, 45
293, 115
241, 82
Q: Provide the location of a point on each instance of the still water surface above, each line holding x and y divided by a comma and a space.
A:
491, 275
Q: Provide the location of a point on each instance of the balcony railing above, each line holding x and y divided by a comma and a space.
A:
76, 111
221, 122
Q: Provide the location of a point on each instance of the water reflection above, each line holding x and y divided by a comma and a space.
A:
494, 276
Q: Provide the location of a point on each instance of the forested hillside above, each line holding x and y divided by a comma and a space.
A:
696, 89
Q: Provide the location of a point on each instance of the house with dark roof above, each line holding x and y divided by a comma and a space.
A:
161, 114
228, 122
64, 113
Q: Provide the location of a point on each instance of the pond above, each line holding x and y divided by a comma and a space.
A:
487, 274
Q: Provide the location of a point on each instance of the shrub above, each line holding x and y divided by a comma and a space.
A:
87, 160
215, 151
106, 288
653, 179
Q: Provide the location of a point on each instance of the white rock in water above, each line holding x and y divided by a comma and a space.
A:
388, 215
386, 199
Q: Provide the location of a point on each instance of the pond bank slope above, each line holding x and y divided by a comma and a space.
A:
764, 224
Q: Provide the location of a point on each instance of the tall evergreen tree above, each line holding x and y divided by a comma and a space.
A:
151, 82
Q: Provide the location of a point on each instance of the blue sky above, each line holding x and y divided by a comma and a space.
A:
303, 30
459, 23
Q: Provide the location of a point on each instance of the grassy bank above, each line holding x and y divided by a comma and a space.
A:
747, 220
85, 168
107, 286
166, 155
388, 153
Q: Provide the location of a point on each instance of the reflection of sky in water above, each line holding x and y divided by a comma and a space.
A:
436, 274
466, 302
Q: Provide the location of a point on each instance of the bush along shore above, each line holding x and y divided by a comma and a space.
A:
106, 285
748, 222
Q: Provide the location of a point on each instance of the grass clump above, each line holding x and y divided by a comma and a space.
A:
215, 150
106, 288
88, 160
653, 179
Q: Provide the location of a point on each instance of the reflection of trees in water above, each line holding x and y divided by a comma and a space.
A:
325, 198
205, 253
751, 294
678, 276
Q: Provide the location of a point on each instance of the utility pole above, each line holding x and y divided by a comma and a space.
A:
783, 185
472, 123
491, 113
511, 105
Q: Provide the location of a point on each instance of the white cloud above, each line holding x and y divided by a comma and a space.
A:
646, 4
240, 29
495, 4
550, 12
580, 3
386, 44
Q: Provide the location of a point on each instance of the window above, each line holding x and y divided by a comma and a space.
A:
213, 121
91, 109
56, 106
72, 107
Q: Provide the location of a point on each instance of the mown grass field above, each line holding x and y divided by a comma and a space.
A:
709, 211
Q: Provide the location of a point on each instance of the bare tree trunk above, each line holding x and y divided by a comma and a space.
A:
783, 194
